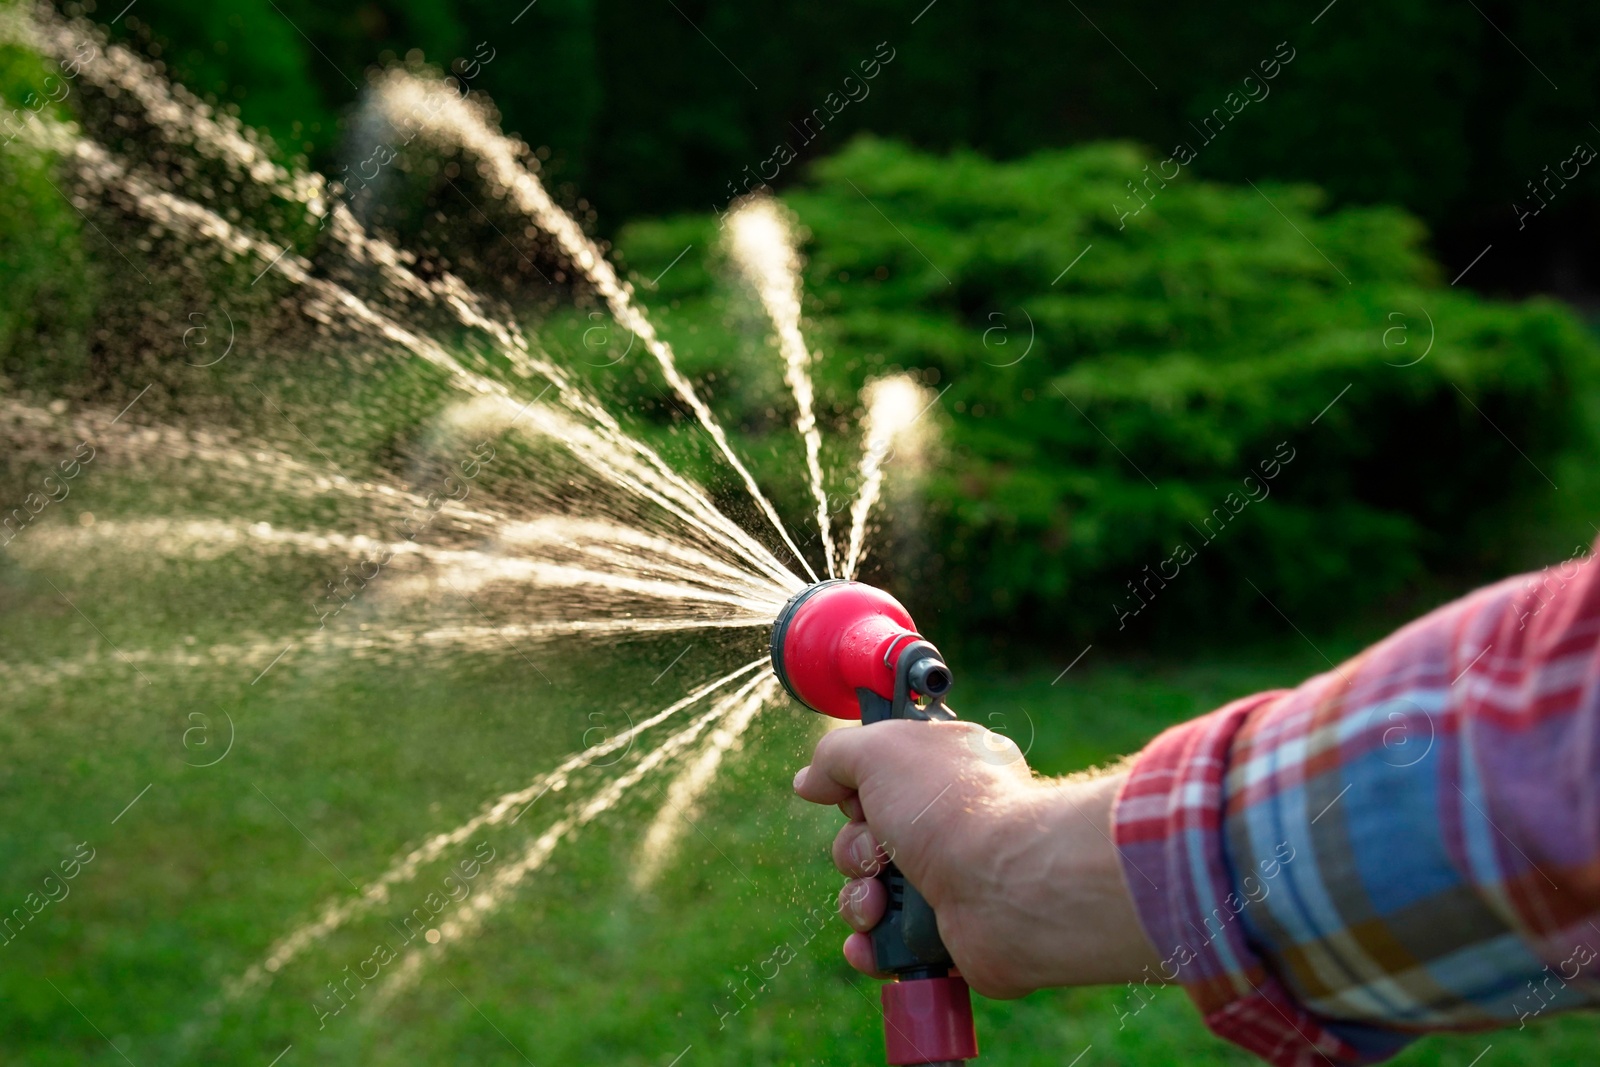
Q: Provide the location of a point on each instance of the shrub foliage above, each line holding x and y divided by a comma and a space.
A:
1119, 380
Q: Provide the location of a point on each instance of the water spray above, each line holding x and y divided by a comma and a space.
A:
851, 651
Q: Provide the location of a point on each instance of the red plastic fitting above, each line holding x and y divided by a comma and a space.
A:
928, 1020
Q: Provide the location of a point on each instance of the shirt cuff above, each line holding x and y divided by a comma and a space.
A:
1168, 827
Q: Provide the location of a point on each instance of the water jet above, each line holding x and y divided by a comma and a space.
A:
580, 530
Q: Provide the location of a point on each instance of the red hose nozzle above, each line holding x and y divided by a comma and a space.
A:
835, 637
851, 651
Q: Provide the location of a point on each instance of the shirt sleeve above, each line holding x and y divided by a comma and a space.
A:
1409, 842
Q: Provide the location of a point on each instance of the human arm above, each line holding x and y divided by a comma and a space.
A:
1323, 891
1407, 843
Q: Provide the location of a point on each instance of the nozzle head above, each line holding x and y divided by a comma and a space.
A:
930, 677
833, 637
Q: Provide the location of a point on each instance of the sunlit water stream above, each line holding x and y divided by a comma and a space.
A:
520, 516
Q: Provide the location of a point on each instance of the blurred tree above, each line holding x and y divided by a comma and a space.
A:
1441, 107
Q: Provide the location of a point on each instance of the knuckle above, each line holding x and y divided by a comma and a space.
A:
828, 753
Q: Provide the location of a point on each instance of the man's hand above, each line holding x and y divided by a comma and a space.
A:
1021, 871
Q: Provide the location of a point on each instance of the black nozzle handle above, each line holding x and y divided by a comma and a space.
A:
906, 941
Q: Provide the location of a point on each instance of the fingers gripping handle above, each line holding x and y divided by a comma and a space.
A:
927, 1013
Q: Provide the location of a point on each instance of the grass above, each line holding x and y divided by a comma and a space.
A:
339, 764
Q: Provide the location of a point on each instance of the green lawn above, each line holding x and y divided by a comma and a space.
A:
340, 763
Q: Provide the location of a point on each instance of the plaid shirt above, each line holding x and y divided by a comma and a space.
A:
1410, 842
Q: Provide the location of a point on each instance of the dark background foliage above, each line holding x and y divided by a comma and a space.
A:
656, 107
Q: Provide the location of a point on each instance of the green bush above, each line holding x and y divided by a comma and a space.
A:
45, 309
1107, 430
